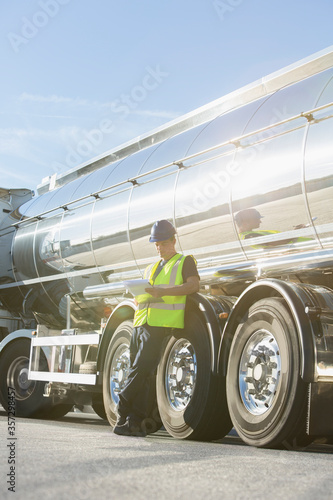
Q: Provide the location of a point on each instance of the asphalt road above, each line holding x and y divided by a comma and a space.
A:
78, 457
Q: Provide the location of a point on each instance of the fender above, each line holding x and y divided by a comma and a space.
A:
17, 334
298, 299
15, 337
210, 308
124, 311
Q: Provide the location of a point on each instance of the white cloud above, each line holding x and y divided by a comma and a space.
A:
34, 144
30, 133
78, 101
31, 141
9, 175
9, 136
169, 115
57, 99
54, 99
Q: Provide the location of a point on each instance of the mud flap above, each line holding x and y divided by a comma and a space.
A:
320, 411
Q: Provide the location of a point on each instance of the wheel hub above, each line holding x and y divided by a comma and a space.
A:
17, 377
119, 371
23, 380
259, 372
181, 372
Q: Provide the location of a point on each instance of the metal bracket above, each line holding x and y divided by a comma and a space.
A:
179, 164
309, 116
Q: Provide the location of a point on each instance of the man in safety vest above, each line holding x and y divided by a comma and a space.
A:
172, 278
248, 222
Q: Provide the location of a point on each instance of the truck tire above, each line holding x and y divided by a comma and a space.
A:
266, 396
116, 367
98, 405
53, 412
14, 364
191, 398
29, 398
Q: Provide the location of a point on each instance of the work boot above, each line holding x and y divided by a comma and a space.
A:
121, 419
150, 425
130, 429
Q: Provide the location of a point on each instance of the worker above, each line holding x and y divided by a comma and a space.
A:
171, 279
248, 222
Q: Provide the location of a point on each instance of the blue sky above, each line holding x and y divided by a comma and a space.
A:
80, 77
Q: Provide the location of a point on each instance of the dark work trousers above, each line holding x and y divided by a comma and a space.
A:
135, 400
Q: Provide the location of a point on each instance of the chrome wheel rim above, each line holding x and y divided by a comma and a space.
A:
181, 374
119, 371
259, 372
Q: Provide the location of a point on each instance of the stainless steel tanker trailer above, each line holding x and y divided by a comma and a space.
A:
248, 182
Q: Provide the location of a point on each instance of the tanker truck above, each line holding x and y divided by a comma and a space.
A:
247, 181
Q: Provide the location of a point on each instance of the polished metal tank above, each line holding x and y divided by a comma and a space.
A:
266, 149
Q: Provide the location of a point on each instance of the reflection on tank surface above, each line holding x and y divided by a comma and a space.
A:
249, 221
251, 182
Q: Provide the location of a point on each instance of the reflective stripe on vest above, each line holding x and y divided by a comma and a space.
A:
260, 232
271, 243
171, 311
257, 234
165, 307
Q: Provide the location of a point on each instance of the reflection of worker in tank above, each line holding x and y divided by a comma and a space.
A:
248, 222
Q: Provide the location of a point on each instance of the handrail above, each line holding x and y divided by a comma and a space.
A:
308, 115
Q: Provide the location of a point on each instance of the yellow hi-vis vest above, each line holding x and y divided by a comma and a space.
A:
171, 311
257, 233
265, 232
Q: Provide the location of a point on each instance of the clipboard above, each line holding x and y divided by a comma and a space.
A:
138, 289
